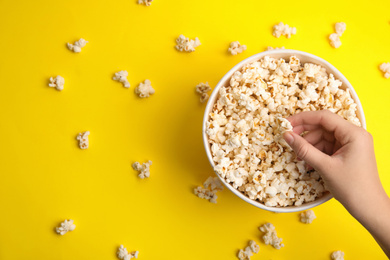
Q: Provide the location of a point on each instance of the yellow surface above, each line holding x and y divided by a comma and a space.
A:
46, 178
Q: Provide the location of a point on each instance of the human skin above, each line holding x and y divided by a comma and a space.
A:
344, 156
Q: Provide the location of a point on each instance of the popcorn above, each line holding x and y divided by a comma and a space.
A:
185, 44
236, 48
269, 48
202, 89
143, 169
124, 255
307, 217
121, 76
145, 89
145, 2
270, 237
65, 227
248, 118
57, 82
83, 140
283, 29
248, 251
211, 186
337, 255
385, 68
334, 38
76, 47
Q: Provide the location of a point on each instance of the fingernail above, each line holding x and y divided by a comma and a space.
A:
288, 136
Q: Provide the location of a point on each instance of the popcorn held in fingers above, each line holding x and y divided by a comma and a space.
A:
145, 89
77, 46
202, 89
143, 170
334, 38
236, 48
246, 254
307, 217
270, 237
270, 48
83, 140
284, 125
245, 124
57, 82
65, 227
337, 255
121, 76
145, 2
186, 45
123, 254
283, 29
211, 186
385, 68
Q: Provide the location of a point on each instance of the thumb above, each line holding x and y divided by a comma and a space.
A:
307, 152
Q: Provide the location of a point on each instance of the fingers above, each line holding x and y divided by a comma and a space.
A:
306, 151
311, 120
317, 135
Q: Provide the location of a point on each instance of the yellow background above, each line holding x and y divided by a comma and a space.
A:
46, 178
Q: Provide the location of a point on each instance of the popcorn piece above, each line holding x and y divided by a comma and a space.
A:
270, 237
248, 251
121, 76
340, 28
337, 255
145, 89
76, 47
236, 48
307, 217
143, 170
185, 44
202, 89
283, 29
124, 255
57, 82
334, 38
145, 2
65, 227
247, 120
335, 41
83, 140
270, 48
211, 186
385, 68
284, 125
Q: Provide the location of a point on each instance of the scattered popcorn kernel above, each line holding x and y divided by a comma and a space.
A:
283, 29
236, 48
307, 217
270, 48
145, 2
185, 44
202, 89
124, 255
247, 120
340, 28
121, 76
83, 140
248, 251
57, 82
65, 227
211, 186
143, 170
270, 237
385, 68
334, 38
337, 255
145, 89
76, 47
